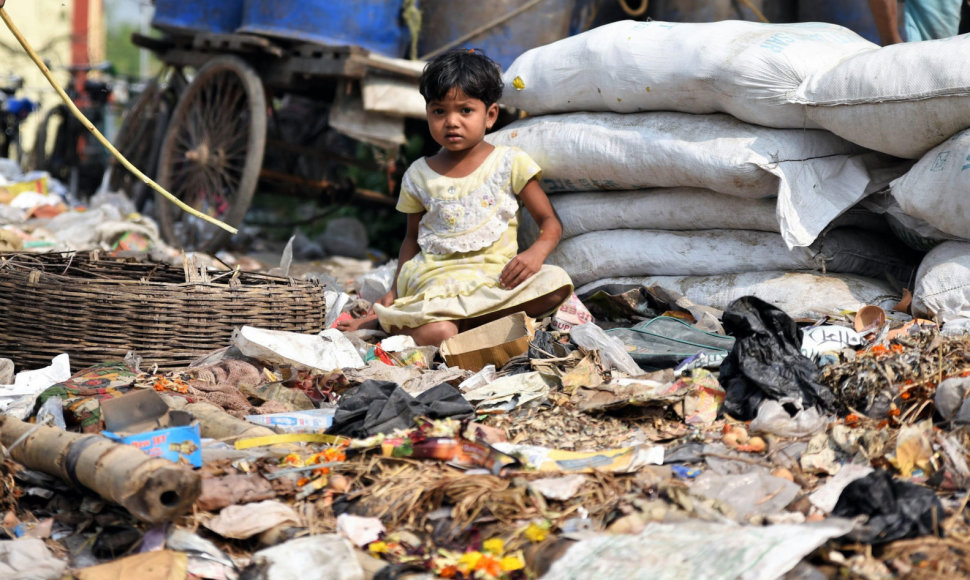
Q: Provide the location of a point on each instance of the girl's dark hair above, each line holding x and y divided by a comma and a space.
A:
470, 70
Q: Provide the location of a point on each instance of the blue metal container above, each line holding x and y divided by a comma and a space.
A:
371, 24
853, 14
445, 22
702, 10
222, 16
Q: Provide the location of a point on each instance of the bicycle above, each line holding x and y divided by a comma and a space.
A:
63, 146
13, 112
141, 135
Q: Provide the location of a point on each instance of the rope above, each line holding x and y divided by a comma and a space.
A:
638, 12
94, 131
758, 14
481, 29
412, 17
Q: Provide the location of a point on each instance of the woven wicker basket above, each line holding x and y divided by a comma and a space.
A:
98, 309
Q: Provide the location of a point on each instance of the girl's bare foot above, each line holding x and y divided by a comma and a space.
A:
368, 321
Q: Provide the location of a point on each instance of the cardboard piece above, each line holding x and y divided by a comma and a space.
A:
493, 343
309, 421
143, 419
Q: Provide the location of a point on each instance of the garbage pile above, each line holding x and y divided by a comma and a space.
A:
754, 380
569, 447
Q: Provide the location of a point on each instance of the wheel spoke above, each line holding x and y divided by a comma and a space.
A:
213, 150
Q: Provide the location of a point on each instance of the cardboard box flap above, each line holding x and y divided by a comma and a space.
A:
492, 343
136, 412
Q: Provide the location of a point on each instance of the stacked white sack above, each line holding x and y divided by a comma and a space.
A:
942, 287
747, 69
613, 253
936, 188
814, 174
752, 198
902, 99
934, 192
677, 209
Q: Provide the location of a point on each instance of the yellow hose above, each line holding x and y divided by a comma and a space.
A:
758, 14
94, 130
634, 12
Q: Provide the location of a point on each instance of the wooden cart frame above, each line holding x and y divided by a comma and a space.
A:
204, 140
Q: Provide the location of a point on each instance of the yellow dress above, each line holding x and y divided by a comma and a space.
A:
467, 236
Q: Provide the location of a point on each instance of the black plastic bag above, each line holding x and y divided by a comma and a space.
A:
382, 406
896, 509
766, 361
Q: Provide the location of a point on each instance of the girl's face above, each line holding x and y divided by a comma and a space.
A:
458, 122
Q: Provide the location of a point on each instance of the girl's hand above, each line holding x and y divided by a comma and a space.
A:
389, 298
520, 268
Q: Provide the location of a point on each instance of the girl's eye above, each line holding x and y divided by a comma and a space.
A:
466, 110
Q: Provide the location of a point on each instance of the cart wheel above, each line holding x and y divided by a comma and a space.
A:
213, 153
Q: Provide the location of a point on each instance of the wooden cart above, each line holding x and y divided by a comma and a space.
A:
205, 139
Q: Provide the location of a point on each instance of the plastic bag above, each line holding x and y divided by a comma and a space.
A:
375, 284
896, 509
382, 406
766, 362
614, 354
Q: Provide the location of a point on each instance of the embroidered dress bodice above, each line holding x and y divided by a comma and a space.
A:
466, 214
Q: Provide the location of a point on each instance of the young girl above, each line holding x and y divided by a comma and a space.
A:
459, 265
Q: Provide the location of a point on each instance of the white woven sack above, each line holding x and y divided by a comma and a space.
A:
612, 253
747, 69
943, 283
935, 188
809, 170
902, 99
799, 294
675, 208
606, 254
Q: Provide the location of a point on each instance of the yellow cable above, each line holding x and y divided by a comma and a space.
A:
631, 12
754, 9
94, 130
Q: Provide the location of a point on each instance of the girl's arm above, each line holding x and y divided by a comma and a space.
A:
529, 261
409, 249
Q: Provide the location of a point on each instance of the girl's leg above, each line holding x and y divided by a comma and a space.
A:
431, 334
534, 308
547, 302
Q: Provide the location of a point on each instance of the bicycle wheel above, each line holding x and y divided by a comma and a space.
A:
50, 152
134, 141
141, 136
213, 153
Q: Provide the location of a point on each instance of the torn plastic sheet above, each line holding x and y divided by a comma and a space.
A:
29, 558
559, 488
325, 351
819, 340
623, 460
677, 551
826, 496
321, 556
18, 399
509, 392
748, 494
774, 418
247, 520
